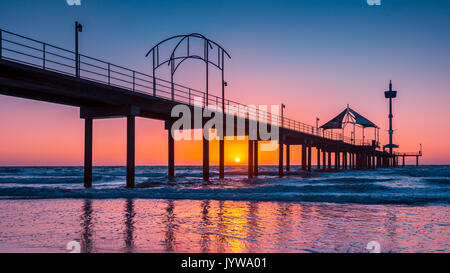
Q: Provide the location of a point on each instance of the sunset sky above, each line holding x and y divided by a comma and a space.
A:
314, 56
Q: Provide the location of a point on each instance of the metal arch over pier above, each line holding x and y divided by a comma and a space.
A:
174, 61
36, 70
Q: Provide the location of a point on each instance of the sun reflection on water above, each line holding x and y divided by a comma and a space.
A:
138, 225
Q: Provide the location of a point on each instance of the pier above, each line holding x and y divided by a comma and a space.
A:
39, 71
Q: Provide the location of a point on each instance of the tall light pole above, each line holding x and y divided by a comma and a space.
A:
78, 28
354, 133
317, 124
390, 94
222, 140
280, 143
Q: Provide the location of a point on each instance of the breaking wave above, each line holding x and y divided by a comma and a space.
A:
403, 186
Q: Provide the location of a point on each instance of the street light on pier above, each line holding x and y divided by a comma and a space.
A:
317, 124
390, 94
78, 28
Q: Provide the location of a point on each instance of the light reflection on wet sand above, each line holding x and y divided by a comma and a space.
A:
141, 225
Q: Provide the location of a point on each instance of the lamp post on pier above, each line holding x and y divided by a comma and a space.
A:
317, 125
78, 28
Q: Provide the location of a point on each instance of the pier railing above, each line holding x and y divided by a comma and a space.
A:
408, 154
24, 50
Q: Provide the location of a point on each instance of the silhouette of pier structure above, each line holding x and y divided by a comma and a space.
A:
39, 71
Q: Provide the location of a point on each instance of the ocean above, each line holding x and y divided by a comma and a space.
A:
43, 209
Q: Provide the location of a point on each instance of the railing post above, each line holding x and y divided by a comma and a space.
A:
109, 74
43, 55
1, 44
189, 96
134, 88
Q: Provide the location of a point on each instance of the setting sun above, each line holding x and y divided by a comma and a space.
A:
237, 159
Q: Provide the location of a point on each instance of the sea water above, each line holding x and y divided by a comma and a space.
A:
43, 209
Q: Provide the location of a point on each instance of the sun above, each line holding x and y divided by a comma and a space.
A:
237, 159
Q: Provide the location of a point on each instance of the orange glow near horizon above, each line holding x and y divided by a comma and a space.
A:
43, 134
314, 62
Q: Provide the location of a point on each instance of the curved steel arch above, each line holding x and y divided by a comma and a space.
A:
183, 36
171, 61
183, 59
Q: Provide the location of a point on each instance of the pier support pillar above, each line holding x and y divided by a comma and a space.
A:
324, 159
345, 160
280, 158
364, 160
403, 161
417, 161
340, 160
88, 152
351, 160
336, 160
222, 158
171, 158
309, 157
360, 161
318, 158
356, 160
288, 158
329, 160
206, 155
130, 150
250, 158
255, 158
304, 156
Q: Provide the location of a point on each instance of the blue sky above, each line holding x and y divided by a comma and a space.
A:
316, 56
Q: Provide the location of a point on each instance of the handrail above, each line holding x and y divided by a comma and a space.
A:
407, 154
54, 58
